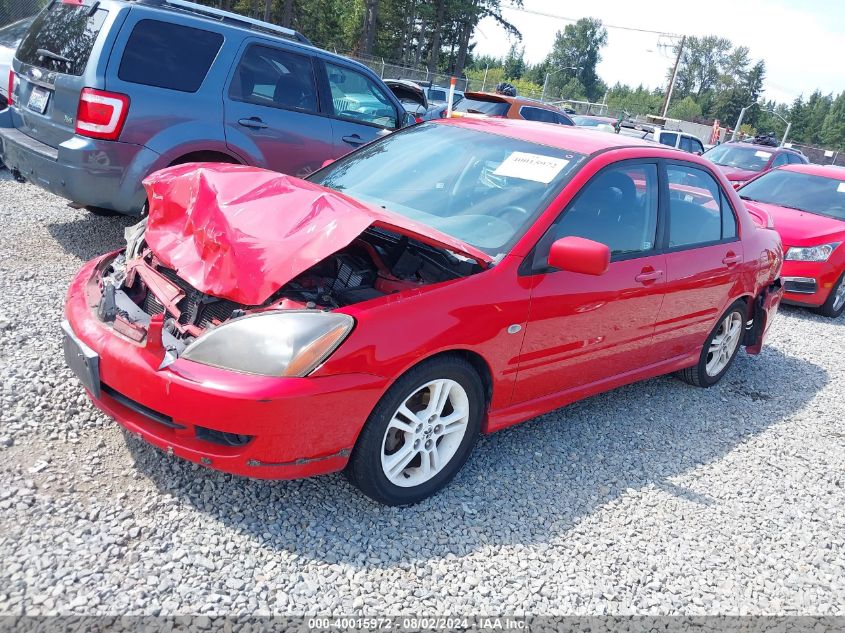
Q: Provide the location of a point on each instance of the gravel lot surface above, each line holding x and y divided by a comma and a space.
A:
657, 498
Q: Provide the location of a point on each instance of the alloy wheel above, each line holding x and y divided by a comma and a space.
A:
425, 432
839, 297
724, 344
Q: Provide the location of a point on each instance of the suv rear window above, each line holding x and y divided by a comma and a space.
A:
168, 55
61, 38
477, 106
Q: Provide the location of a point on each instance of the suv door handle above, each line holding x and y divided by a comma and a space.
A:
731, 259
648, 276
254, 122
353, 140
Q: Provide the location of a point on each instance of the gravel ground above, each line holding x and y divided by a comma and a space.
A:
657, 498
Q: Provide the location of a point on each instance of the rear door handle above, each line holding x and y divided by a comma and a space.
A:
648, 275
353, 140
731, 259
254, 122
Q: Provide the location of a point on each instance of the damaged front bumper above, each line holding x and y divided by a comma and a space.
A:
256, 426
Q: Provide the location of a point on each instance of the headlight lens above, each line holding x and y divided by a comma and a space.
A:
272, 343
819, 253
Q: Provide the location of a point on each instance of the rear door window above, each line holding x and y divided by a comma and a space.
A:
537, 114
61, 39
698, 210
167, 55
277, 78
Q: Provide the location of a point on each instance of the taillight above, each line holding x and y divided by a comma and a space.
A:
101, 114
13, 84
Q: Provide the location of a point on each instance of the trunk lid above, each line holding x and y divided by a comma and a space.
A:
241, 233
53, 57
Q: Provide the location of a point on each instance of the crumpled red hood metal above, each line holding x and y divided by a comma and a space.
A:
241, 233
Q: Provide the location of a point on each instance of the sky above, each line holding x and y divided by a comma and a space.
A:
801, 41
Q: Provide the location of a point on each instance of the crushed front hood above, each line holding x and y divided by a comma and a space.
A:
241, 233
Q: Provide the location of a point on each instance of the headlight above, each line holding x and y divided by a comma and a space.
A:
819, 253
272, 343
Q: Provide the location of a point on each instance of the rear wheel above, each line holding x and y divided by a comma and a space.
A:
719, 349
835, 304
420, 434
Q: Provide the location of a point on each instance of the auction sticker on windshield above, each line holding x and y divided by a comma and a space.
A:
534, 167
765, 155
841, 187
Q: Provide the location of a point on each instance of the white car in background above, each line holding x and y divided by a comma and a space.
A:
10, 36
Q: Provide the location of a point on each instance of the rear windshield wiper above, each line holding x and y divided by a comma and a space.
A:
43, 52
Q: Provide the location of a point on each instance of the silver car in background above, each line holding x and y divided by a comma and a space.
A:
10, 36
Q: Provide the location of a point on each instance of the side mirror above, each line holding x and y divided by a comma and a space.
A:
579, 255
408, 119
327, 162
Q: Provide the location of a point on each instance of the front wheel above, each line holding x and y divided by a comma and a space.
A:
420, 433
835, 304
719, 349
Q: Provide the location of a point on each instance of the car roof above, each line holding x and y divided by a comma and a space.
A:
568, 137
517, 100
834, 172
761, 147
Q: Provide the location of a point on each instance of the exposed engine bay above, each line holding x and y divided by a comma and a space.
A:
138, 290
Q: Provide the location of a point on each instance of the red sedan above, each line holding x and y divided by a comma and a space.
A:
807, 204
448, 280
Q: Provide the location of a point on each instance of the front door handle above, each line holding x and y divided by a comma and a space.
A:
647, 276
731, 259
254, 122
354, 139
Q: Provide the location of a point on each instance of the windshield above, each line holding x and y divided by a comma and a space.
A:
479, 106
815, 194
481, 188
739, 156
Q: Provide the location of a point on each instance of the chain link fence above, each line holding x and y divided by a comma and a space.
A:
14, 10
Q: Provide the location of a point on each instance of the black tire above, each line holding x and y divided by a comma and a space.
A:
365, 471
697, 374
102, 212
827, 309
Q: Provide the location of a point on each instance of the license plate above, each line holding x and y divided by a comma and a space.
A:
38, 99
82, 360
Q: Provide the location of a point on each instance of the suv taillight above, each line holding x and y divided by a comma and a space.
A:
101, 114
13, 84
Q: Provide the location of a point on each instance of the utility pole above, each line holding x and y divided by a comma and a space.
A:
739, 122
671, 86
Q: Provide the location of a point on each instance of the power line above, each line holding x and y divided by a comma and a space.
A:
513, 7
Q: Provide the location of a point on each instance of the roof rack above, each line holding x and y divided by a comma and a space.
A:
229, 17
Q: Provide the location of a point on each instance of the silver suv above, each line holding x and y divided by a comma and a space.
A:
104, 92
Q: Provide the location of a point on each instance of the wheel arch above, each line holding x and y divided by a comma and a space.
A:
205, 156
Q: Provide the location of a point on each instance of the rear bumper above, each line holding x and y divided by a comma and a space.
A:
89, 172
299, 426
808, 283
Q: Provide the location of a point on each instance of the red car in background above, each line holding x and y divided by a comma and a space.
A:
742, 161
451, 279
807, 205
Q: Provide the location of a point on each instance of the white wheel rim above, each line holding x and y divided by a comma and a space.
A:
839, 297
724, 344
424, 433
